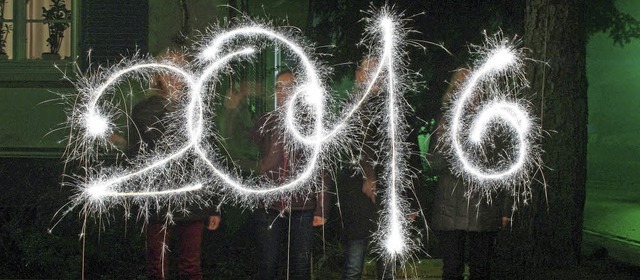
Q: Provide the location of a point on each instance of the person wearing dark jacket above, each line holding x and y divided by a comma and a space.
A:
286, 226
148, 119
358, 187
459, 215
358, 208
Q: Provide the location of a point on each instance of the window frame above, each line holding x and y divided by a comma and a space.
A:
19, 67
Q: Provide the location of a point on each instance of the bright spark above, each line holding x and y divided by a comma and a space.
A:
100, 191
184, 168
489, 100
97, 126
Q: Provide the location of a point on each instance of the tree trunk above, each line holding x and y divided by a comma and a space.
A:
547, 232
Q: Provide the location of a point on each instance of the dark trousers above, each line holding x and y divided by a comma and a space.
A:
385, 270
284, 241
355, 253
189, 237
453, 253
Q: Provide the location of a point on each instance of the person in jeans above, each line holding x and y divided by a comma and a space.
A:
285, 229
358, 186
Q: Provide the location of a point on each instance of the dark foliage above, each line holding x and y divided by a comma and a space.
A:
604, 16
28, 249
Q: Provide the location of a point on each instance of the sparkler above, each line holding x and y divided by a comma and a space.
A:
105, 188
394, 228
488, 101
191, 172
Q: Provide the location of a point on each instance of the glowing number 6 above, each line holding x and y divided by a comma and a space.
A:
502, 61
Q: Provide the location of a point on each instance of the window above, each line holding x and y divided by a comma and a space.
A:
38, 29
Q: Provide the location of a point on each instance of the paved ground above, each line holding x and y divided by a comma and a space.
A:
592, 268
612, 220
611, 239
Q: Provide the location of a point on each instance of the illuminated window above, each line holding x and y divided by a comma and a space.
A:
37, 29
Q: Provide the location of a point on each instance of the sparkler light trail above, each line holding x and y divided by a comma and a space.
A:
155, 176
184, 168
492, 133
394, 227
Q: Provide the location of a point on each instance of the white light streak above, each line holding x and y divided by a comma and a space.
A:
101, 190
109, 186
96, 125
394, 228
489, 100
185, 169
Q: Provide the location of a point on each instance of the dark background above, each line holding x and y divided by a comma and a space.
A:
591, 146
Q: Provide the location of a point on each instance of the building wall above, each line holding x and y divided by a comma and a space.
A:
31, 121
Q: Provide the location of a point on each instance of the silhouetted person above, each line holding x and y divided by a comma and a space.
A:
148, 122
285, 229
463, 222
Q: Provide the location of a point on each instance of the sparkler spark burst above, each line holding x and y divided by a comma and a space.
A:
394, 227
185, 168
491, 134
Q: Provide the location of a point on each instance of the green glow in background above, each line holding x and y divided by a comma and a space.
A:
613, 189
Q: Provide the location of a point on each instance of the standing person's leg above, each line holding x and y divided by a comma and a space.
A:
157, 262
354, 254
300, 244
385, 270
269, 230
480, 254
189, 248
452, 246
